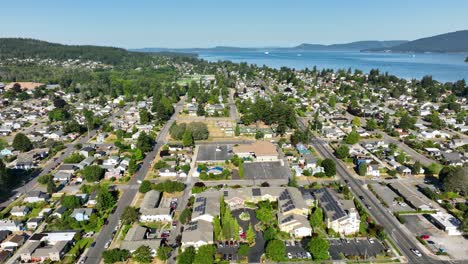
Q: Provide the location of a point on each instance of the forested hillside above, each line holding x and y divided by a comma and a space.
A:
449, 42
30, 48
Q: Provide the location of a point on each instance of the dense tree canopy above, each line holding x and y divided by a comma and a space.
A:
454, 179
318, 248
329, 166
93, 173
22, 143
276, 250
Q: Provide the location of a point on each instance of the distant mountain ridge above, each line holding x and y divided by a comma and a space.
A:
358, 45
444, 43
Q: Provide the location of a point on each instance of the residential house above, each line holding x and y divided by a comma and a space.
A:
373, 170
452, 158
24, 165
113, 173
4, 255
69, 168
196, 234
4, 234
13, 242
86, 162
92, 201
62, 176
454, 143
59, 212
167, 172
33, 223
11, 225
87, 151
175, 147
112, 161
35, 197
435, 152
6, 152
137, 237
82, 214
50, 252
149, 210
19, 211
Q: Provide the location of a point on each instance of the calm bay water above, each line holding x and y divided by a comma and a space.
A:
443, 67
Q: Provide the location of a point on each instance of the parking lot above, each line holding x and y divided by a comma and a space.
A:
355, 247
265, 170
296, 250
389, 197
214, 153
456, 246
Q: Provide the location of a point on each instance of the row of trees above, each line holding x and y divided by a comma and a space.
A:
166, 186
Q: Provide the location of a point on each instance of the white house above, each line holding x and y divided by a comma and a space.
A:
373, 170
167, 172
11, 225
35, 196
19, 211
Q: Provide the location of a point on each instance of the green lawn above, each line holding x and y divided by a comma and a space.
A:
76, 250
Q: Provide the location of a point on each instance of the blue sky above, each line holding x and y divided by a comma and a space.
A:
198, 23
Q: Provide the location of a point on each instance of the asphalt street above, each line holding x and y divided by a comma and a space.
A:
404, 240
105, 235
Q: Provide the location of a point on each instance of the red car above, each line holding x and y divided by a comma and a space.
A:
425, 237
243, 235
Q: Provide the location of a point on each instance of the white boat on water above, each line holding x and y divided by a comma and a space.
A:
266, 52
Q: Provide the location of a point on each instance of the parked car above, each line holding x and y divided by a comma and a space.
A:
107, 245
425, 237
289, 255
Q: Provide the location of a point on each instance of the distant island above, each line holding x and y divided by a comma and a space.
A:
449, 42
466, 59
453, 42
358, 45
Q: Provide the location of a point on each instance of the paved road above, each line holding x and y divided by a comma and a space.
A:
404, 240
105, 235
414, 155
